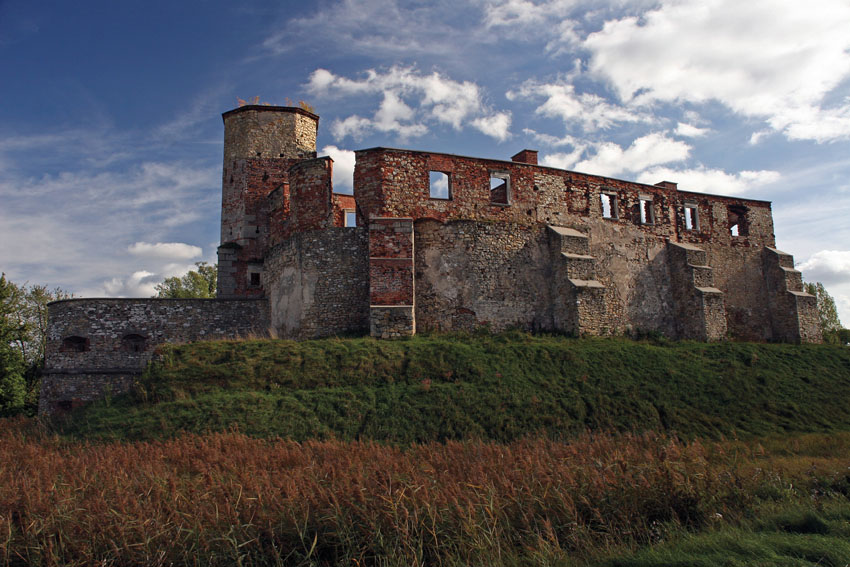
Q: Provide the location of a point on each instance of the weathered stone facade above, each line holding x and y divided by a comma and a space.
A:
96, 346
444, 242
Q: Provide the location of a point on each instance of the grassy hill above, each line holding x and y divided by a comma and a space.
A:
505, 450
491, 387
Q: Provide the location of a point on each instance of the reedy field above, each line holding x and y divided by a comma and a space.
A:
445, 450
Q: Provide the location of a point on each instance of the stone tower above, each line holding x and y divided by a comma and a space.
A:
261, 143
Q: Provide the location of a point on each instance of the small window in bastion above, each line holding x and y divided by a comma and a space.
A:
647, 211
255, 279
134, 343
691, 216
440, 188
500, 188
75, 344
738, 220
350, 218
609, 206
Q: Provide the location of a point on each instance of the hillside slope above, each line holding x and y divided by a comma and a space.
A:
498, 387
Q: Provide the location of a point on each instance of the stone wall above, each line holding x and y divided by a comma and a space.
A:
99, 345
471, 274
318, 283
261, 131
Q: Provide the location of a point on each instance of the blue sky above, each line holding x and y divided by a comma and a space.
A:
111, 135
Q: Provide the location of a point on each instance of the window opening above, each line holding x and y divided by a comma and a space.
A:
691, 217
134, 343
738, 220
350, 218
439, 185
500, 188
609, 206
255, 279
75, 344
647, 213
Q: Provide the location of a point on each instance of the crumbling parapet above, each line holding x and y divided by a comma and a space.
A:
793, 312
391, 281
578, 298
699, 306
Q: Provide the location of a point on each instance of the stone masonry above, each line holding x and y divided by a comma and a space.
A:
432, 241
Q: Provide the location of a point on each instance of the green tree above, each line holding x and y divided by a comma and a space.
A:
200, 283
23, 336
13, 386
827, 311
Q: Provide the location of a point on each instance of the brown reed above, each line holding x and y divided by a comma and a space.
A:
226, 499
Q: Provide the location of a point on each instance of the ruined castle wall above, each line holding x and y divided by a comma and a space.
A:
471, 274
627, 241
107, 361
317, 283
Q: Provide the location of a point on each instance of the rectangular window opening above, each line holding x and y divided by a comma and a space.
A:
691, 217
255, 279
500, 188
609, 206
647, 212
440, 188
738, 220
350, 218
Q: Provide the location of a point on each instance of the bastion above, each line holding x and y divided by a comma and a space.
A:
441, 242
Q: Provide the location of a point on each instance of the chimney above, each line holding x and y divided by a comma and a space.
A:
668, 185
526, 156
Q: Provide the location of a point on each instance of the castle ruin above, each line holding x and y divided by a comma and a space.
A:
433, 241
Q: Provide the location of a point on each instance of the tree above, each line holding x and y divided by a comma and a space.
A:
13, 386
200, 283
23, 336
827, 311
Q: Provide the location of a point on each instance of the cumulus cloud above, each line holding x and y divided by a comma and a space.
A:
165, 250
343, 175
410, 100
828, 267
690, 131
706, 180
138, 284
590, 111
773, 59
646, 151
612, 160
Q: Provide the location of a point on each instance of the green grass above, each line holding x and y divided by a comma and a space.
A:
792, 535
499, 387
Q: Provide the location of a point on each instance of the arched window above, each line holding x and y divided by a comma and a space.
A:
75, 344
134, 343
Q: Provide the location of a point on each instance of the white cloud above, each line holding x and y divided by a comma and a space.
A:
828, 267
343, 175
165, 250
646, 151
690, 131
496, 126
773, 59
714, 181
138, 284
589, 110
409, 100
378, 28
757, 137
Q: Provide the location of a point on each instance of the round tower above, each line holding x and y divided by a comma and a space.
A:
261, 143
258, 131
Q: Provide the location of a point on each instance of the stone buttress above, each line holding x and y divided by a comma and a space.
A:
579, 298
699, 306
793, 312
